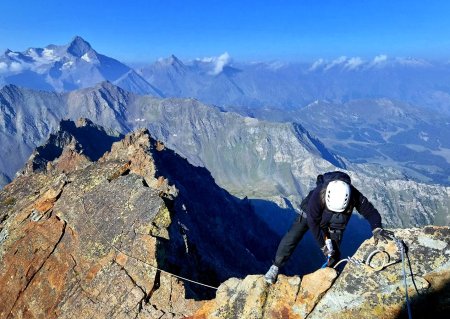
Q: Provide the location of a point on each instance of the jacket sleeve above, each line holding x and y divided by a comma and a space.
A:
366, 209
314, 217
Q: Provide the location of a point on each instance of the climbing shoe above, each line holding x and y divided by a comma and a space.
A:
271, 275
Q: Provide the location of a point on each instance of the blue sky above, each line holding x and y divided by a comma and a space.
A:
301, 30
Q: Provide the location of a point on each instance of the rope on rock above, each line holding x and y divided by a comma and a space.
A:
366, 263
401, 248
136, 258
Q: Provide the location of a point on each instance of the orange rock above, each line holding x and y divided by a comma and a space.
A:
23, 264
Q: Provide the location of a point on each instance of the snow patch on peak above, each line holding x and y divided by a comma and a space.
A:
86, 58
12, 54
424, 136
49, 54
67, 65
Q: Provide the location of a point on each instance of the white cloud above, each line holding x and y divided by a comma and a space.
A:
206, 60
276, 65
317, 64
337, 61
219, 62
15, 67
3, 67
380, 58
353, 63
412, 62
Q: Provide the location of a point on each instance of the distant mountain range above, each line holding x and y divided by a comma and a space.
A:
68, 67
286, 85
390, 111
348, 102
221, 81
272, 162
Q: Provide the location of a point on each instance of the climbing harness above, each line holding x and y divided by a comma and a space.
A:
401, 248
136, 258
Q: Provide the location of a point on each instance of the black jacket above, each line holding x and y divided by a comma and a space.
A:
319, 217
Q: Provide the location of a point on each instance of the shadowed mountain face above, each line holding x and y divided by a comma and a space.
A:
26, 120
100, 225
248, 157
413, 139
221, 141
83, 137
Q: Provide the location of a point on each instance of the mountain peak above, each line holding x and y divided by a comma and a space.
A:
172, 60
110, 87
78, 47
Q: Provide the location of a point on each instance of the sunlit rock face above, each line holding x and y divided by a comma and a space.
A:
90, 235
359, 291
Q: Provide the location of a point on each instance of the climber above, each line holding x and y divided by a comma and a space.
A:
326, 211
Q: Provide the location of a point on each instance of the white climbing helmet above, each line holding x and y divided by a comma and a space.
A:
337, 196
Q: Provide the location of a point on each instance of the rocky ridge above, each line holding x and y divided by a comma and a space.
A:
359, 291
84, 238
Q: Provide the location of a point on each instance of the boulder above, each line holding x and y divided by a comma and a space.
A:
369, 286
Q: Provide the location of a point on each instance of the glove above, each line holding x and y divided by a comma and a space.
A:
384, 235
328, 251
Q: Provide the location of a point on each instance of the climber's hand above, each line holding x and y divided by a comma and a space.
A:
384, 235
327, 252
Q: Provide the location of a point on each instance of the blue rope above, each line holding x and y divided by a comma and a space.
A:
326, 263
401, 247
